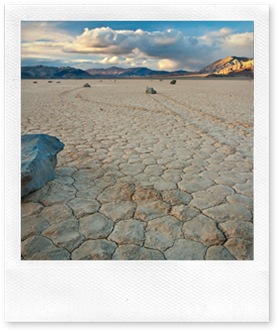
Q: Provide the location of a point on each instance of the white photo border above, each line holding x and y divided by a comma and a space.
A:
136, 291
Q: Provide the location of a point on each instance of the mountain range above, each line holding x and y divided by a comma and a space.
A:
230, 66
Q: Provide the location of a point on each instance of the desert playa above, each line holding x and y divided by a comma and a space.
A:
142, 177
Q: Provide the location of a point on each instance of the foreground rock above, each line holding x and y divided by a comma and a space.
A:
150, 90
38, 160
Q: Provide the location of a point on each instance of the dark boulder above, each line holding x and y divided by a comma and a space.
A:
173, 82
38, 160
150, 90
86, 85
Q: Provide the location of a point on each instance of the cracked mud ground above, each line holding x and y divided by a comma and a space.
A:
142, 177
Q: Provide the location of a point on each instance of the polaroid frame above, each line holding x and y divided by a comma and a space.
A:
136, 291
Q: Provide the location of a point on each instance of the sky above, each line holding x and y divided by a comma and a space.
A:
158, 45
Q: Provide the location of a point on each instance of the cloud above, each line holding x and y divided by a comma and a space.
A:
168, 50
167, 64
122, 42
46, 31
112, 60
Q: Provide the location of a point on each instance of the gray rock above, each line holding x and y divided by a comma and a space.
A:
134, 252
218, 252
86, 85
95, 226
162, 232
100, 249
204, 230
38, 160
184, 249
130, 231
150, 90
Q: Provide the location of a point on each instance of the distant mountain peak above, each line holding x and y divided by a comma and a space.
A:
228, 65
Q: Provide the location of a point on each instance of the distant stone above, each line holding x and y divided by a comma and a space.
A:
173, 82
86, 85
35, 82
38, 160
150, 90
50, 81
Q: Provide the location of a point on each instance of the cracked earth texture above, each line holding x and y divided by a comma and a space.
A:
142, 177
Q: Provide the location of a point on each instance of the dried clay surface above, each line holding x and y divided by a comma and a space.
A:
142, 176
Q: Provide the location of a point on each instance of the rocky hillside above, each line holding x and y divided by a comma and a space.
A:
229, 65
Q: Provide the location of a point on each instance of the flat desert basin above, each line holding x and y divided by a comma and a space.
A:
166, 176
